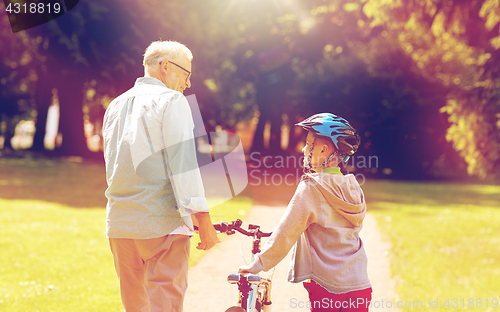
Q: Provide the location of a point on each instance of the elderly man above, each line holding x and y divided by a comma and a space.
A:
154, 184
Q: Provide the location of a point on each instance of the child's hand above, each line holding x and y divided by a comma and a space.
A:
247, 269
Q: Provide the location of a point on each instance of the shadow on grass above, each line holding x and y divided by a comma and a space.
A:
81, 183
273, 187
69, 181
430, 194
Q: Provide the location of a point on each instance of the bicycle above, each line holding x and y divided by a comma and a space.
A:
254, 290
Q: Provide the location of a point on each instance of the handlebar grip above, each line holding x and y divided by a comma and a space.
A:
221, 227
229, 228
238, 277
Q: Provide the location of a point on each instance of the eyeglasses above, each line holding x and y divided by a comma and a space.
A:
187, 71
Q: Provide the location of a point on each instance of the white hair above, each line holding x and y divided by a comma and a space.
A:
165, 50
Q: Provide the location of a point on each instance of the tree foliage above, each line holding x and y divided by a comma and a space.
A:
88, 48
17, 79
411, 74
456, 44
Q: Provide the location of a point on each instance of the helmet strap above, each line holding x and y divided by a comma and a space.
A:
323, 165
307, 165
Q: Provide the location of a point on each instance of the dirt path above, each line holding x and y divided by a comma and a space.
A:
209, 291
379, 271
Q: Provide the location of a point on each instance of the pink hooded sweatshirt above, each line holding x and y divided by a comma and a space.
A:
322, 222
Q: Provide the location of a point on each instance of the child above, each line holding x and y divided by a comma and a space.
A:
322, 223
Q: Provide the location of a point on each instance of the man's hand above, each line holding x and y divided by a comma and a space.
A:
195, 223
208, 235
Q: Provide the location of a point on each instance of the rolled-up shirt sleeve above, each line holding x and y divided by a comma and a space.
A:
182, 164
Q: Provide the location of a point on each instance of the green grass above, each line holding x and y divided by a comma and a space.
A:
54, 251
445, 241
56, 258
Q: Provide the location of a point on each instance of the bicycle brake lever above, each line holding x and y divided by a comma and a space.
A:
253, 227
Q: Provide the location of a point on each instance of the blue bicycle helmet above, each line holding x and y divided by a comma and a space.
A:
343, 136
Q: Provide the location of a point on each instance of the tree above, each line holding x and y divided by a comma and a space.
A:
17, 79
455, 43
89, 43
451, 45
388, 66
233, 58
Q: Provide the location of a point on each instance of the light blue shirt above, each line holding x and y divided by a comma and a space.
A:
154, 183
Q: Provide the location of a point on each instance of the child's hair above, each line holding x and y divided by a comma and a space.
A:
321, 140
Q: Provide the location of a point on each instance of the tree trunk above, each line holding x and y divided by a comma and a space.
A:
43, 102
271, 98
276, 123
293, 140
258, 138
9, 132
71, 119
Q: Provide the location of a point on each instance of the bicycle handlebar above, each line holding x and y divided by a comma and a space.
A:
231, 227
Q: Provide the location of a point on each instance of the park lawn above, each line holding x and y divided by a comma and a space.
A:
57, 258
445, 242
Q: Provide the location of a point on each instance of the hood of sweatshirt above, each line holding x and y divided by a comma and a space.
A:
343, 193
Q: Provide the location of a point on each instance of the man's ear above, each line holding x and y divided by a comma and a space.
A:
163, 65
